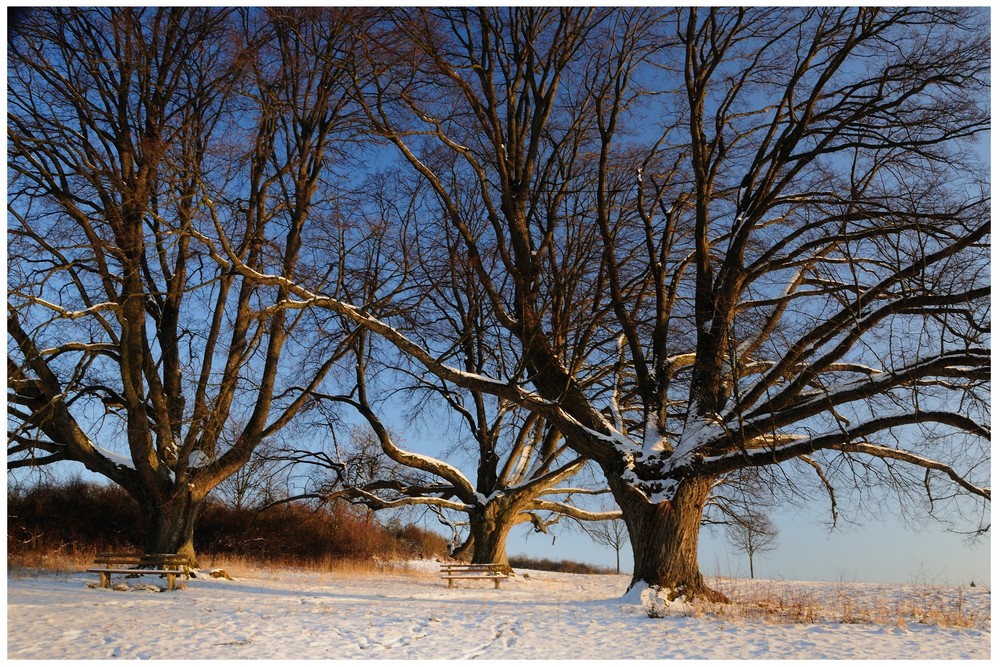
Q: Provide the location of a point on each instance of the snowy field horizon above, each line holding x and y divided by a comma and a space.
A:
407, 612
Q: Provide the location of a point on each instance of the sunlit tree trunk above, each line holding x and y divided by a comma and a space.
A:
490, 526
664, 539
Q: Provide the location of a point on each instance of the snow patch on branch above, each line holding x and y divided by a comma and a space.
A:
197, 459
653, 442
697, 432
116, 459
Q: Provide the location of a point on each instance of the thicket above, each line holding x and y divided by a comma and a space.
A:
78, 518
572, 567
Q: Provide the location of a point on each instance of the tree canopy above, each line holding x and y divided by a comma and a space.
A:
694, 242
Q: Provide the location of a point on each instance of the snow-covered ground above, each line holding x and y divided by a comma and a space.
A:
283, 615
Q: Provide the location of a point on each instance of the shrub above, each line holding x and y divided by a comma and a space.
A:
79, 517
571, 567
71, 517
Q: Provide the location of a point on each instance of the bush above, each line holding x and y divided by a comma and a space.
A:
571, 567
71, 517
78, 517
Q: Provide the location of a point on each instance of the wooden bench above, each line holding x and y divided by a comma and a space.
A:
165, 565
453, 571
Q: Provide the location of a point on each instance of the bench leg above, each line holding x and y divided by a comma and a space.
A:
171, 578
496, 584
105, 579
451, 583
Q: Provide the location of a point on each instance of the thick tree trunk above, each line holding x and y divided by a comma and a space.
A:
170, 527
664, 539
490, 526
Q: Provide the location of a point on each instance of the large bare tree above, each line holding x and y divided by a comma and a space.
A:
128, 350
520, 459
710, 240
793, 233
416, 275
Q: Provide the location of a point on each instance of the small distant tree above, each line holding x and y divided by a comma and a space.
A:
752, 533
612, 533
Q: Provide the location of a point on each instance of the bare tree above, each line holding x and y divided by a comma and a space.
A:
792, 271
257, 483
129, 351
796, 270
611, 533
520, 461
752, 533
516, 482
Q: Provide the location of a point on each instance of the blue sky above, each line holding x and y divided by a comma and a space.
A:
885, 551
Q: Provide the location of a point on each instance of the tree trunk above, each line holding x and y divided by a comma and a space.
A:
490, 526
463, 551
664, 539
170, 527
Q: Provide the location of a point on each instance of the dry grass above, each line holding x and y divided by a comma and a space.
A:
247, 566
547, 564
62, 526
777, 602
770, 603
29, 562
32, 563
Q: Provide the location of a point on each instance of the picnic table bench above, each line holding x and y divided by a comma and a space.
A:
165, 565
453, 571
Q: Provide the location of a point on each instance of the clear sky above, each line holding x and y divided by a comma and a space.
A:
875, 551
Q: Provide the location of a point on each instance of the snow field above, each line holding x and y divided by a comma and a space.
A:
292, 615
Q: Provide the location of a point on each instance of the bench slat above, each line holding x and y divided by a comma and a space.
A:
141, 559
453, 571
169, 565
116, 570
133, 554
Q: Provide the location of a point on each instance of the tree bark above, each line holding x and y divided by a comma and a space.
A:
170, 526
664, 538
490, 525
